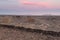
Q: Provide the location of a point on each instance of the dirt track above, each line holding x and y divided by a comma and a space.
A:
7, 33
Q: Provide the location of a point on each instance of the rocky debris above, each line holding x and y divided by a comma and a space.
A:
52, 33
12, 33
47, 23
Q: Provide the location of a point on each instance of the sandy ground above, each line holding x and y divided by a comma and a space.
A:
48, 23
16, 34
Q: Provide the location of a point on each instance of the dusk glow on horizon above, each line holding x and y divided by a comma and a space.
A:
29, 6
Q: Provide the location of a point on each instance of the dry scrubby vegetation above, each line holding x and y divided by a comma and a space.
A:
50, 33
26, 31
33, 22
30, 19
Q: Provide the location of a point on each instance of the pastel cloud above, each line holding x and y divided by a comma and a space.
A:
41, 4
47, 3
30, 6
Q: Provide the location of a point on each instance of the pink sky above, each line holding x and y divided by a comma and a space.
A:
47, 4
31, 6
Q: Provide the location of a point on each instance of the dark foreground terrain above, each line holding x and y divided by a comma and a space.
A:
14, 33
29, 27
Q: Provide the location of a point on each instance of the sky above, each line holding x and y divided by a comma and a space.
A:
30, 7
